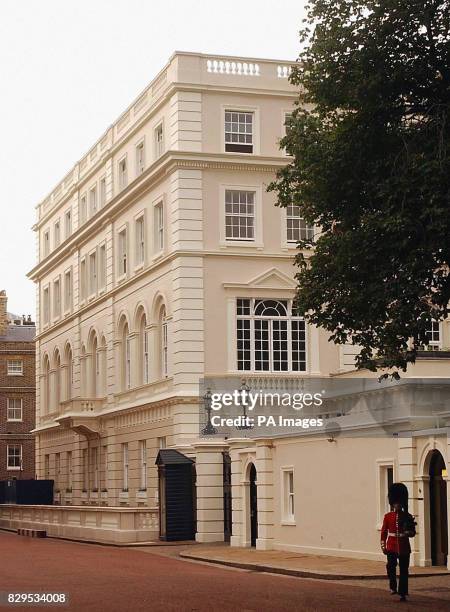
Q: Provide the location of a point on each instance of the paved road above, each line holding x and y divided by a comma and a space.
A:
99, 578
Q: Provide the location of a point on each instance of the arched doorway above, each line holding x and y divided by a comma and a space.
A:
253, 506
438, 510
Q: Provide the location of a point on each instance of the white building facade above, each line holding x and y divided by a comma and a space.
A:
162, 259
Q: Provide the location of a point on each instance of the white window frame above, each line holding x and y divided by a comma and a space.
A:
140, 156
284, 114
92, 275
14, 468
46, 305
434, 345
256, 126
145, 358
122, 172
15, 370
159, 145
102, 191
101, 276
95, 468
11, 408
257, 241
285, 243
83, 210
57, 234
162, 442
123, 260
288, 496
68, 290
57, 306
68, 223
46, 243
83, 288
93, 200
125, 467
128, 361
159, 232
139, 240
143, 465
251, 326
382, 466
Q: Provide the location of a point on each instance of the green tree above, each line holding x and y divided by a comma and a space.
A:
370, 141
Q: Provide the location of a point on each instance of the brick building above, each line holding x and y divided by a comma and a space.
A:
17, 394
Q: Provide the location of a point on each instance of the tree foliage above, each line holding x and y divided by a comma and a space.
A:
370, 141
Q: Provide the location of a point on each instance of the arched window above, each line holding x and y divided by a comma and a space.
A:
58, 390
163, 342
95, 367
45, 405
143, 350
101, 352
125, 349
271, 337
83, 387
69, 371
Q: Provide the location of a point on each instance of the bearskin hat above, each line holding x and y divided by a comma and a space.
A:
398, 494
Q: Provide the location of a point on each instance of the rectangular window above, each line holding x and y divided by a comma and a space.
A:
238, 131
93, 273
57, 234
46, 245
104, 474
123, 173
433, 333
162, 442
159, 141
102, 267
69, 471
102, 191
159, 226
68, 290
146, 363
143, 461
94, 483
14, 409
93, 201
83, 279
140, 158
122, 263
14, 457
288, 497
239, 215
125, 467
140, 240
47, 466
165, 349
57, 470
296, 227
270, 336
128, 363
83, 209
386, 478
57, 298
46, 305
68, 223
15, 367
85, 470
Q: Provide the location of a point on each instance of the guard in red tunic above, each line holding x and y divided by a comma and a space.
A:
398, 527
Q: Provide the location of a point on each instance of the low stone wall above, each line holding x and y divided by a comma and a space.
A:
107, 525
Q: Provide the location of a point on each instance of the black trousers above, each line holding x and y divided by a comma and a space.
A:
391, 566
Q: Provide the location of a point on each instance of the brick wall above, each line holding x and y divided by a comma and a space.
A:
17, 387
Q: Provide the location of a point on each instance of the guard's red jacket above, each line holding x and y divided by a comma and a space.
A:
393, 537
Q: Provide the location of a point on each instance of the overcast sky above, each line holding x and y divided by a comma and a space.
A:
68, 69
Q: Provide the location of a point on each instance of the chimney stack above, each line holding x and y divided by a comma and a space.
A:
3, 313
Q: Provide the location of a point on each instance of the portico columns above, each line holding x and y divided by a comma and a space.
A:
264, 479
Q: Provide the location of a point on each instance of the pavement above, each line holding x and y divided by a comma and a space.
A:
300, 565
97, 578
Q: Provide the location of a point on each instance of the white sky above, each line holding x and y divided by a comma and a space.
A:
69, 68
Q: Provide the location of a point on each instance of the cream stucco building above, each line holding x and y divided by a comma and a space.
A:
161, 260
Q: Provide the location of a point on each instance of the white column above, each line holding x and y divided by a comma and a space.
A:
209, 469
264, 482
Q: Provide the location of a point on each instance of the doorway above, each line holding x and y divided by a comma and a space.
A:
438, 510
253, 506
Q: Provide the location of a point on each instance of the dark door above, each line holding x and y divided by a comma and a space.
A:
253, 507
227, 521
438, 511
